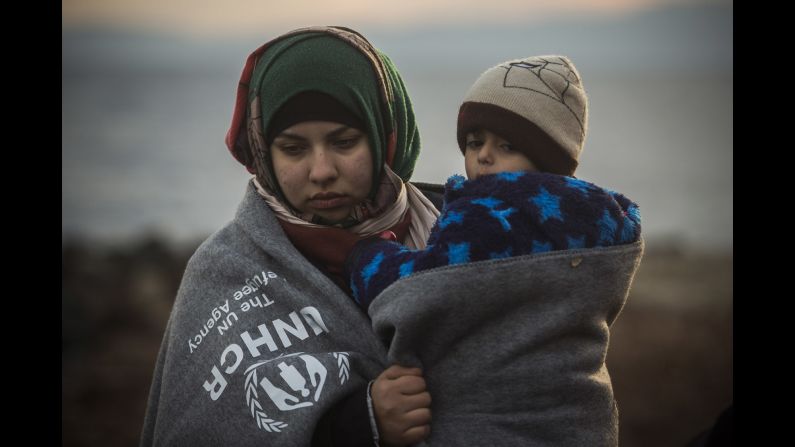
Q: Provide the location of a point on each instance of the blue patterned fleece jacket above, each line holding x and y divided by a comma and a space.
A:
499, 216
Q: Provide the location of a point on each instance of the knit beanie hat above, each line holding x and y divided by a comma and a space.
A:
537, 103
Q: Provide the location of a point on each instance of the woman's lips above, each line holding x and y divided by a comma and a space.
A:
328, 200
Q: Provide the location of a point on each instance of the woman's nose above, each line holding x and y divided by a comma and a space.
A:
323, 168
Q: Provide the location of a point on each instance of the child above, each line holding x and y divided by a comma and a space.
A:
521, 128
512, 347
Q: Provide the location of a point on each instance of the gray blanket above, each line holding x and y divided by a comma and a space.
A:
513, 349
259, 343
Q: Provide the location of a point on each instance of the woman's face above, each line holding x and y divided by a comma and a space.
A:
323, 168
488, 153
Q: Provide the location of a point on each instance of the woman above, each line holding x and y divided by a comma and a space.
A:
264, 344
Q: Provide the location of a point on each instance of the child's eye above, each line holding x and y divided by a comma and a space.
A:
507, 147
474, 144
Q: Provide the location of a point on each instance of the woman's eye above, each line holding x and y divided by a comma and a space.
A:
346, 143
507, 147
291, 149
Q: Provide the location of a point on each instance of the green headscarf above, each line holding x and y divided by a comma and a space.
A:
341, 63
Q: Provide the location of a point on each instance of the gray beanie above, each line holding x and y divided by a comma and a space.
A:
537, 103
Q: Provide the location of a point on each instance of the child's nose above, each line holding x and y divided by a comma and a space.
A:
486, 152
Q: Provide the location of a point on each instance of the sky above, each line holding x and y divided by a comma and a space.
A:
239, 17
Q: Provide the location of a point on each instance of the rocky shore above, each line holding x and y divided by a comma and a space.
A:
670, 354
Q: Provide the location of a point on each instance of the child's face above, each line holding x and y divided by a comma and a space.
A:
488, 153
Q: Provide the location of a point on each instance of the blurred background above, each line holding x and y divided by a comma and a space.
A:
147, 94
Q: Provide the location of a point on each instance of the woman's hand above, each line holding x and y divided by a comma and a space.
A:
402, 406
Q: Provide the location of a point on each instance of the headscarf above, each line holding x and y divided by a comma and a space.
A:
336, 61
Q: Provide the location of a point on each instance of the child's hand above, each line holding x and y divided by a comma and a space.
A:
402, 406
